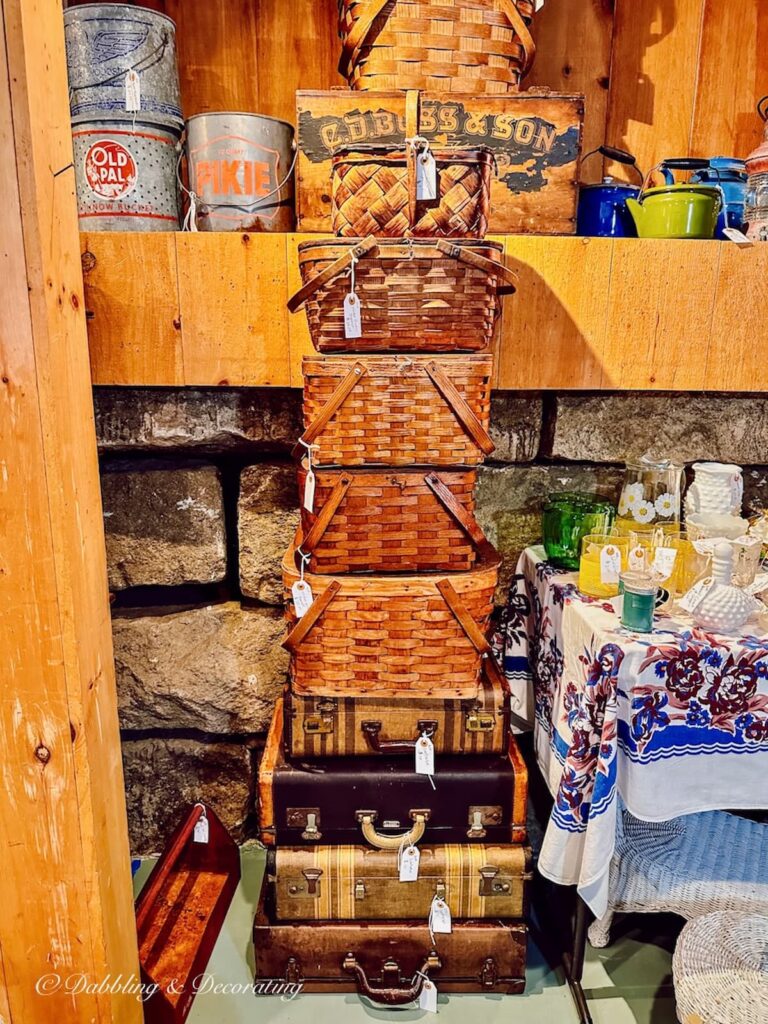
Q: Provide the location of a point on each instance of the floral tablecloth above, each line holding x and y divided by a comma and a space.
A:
673, 722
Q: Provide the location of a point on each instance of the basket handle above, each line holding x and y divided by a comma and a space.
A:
465, 620
466, 521
331, 271
307, 621
474, 259
323, 418
461, 409
357, 37
326, 513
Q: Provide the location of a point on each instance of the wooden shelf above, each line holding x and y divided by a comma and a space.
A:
210, 309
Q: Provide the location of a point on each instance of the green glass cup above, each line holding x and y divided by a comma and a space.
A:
567, 518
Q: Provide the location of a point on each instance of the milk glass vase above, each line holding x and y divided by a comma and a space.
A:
651, 497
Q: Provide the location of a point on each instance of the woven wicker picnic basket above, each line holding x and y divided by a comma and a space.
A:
390, 635
458, 46
374, 520
415, 295
397, 410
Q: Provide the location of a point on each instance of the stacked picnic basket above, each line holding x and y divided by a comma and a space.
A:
392, 794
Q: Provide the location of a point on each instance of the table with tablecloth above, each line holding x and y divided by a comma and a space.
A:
671, 722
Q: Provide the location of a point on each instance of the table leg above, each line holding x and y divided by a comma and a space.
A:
573, 961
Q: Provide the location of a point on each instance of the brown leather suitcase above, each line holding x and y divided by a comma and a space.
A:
381, 800
380, 960
339, 883
345, 726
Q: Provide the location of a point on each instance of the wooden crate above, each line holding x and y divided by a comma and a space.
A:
535, 137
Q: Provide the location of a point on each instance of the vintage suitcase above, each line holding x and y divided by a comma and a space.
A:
382, 801
380, 960
347, 883
346, 726
535, 137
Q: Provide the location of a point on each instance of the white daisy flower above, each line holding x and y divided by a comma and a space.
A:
644, 512
665, 504
634, 493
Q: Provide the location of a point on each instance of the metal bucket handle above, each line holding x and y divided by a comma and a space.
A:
139, 66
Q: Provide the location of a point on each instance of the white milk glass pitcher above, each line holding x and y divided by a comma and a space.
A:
717, 489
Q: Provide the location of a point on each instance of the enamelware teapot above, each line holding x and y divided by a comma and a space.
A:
602, 211
684, 210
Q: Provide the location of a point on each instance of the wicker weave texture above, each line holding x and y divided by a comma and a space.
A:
440, 45
389, 635
395, 415
390, 522
720, 969
372, 195
413, 298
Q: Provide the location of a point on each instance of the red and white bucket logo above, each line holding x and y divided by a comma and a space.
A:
110, 169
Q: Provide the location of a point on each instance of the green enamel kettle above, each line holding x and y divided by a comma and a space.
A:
684, 210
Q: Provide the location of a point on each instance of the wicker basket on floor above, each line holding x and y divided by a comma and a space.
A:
416, 635
458, 46
720, 969
397, 410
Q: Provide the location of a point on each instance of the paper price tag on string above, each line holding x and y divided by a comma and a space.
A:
200, 835
408, 860
759, 584
428, 996
425, 755
610, 564
637, 558
738, 237
302, 597
664, 561
439, 917
309, 491
690, 602
353, 326
426, 176
132, 92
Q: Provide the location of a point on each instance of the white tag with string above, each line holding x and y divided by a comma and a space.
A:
408, 863
738, 237
637, 558
309, 490
610, 564
439, 918
428, 996
664, 561
200, 835
425, 755
302, 597
353, 324
426, 175
132, 91
690, 602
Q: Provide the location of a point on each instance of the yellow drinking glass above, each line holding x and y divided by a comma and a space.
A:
603, 558
678, 572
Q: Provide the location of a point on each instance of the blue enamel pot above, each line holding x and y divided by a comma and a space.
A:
602, 210
730, 174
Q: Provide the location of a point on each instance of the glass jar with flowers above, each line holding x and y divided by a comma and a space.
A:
650, 497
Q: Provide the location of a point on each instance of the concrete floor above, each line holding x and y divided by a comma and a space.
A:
628, 983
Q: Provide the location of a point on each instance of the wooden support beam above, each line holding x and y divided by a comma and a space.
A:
65, 886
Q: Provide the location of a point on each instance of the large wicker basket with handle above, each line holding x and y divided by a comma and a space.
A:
397, 410
458, 46
414, 295
374, 520
390, 635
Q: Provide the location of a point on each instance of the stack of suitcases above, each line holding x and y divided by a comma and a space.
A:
392, 794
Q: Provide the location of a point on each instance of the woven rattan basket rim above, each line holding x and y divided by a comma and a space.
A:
385, 243
388, 363
483, 574
388, 154
361, 471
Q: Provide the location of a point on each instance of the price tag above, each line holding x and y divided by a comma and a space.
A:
132, 92
738, 237
664, 561
425, 756
426, 176
200, 835
690, 602
428, 996
637, 558
409, 864
353, 326
440, 917
759, 584
610, 564
309, 491
302, 597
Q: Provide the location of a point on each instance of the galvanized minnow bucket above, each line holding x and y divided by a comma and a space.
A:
126, 176
109, 43
240, 169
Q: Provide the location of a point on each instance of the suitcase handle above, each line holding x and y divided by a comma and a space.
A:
391, 995
381, 842
371, 732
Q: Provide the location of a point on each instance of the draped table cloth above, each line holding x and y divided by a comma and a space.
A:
672, 722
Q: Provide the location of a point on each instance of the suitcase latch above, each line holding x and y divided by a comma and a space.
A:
360, 889
306, 818
321, 724
488, 973
311, 889
480, 721
481, 816
488, 885
440, 889
292, 970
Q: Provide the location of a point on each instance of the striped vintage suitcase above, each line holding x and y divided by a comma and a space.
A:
344, 726
338, 883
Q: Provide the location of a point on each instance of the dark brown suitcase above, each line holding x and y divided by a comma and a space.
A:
380, 960
344, 726
382, 801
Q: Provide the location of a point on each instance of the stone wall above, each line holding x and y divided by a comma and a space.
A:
200, 503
